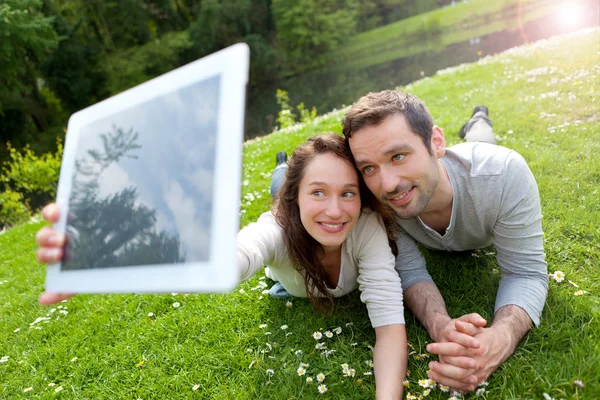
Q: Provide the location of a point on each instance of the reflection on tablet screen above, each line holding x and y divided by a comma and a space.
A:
142, 188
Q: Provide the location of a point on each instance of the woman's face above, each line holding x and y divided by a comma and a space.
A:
329, 200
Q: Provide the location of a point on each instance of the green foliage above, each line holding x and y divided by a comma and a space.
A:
306, 115
28, 173
29, 181
26, 35
306, 29
286, 116
13, 209
136, 65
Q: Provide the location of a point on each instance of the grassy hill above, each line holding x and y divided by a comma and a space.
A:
544, 100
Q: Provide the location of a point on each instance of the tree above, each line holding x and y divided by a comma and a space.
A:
309, 28
26, 38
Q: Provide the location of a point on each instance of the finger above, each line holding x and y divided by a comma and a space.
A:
48, 255
453, 372
474, 319
453, 383
53, 297
461, 362
51, 212
48, 237
448, 349
463, 339
467, 328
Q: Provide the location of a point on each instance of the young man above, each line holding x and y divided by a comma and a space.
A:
462, 198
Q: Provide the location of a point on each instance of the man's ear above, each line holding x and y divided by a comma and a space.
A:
438, 142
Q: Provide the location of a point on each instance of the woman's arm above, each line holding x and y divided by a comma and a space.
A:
258, 244
390, 360
382, 293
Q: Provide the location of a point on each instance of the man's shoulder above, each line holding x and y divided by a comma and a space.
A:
480, 159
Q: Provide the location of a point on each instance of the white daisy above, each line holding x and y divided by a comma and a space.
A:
328, 334
558, 276
322, 388
317, 335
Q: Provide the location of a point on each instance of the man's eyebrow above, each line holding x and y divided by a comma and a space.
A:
401, 148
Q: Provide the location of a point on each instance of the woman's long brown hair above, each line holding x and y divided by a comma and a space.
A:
304, 251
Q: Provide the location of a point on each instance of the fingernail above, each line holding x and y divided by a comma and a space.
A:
53, 253
54, 240
471, 364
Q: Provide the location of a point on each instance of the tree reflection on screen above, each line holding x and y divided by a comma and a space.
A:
115, 229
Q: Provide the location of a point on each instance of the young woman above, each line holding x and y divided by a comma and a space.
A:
320, 241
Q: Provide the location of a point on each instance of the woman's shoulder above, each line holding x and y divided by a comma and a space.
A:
368, 219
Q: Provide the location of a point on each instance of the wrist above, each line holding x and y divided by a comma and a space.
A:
438, 322
504, 334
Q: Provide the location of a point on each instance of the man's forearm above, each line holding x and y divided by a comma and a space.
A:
425, 301
514, 322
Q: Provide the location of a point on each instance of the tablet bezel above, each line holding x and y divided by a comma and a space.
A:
220, 273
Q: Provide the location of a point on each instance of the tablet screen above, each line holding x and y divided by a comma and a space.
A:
143, 183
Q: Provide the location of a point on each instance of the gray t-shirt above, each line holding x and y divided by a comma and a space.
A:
496, 201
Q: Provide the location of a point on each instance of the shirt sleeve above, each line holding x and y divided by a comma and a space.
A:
378, 282
518, 238
410, 263
258, 244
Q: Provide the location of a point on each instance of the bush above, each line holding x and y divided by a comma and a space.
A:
286, 116
13, 209
29, 182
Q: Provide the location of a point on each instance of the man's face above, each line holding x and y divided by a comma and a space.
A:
396, 165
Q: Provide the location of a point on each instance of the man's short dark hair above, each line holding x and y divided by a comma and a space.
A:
373, 108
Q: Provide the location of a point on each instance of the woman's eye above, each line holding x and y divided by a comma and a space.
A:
398, 157
318, 193
348, 194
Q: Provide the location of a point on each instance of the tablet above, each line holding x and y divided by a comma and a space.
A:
149, 188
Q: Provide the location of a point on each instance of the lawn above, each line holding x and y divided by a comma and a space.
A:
544, 100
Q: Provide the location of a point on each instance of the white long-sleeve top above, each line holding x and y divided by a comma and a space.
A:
367, 263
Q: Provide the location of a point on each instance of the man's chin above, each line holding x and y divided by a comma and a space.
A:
404, 212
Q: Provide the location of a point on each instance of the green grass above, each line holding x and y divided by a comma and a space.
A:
215, 341
435, 30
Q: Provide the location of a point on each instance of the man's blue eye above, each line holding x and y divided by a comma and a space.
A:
398, 157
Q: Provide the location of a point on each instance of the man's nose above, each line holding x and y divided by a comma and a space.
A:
389, 180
